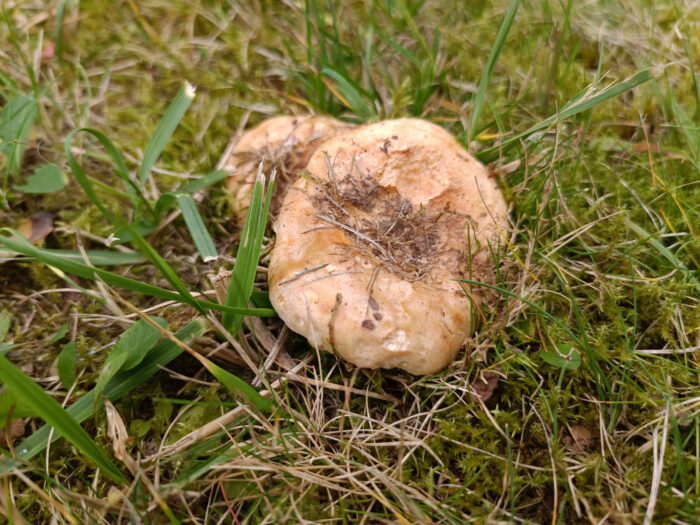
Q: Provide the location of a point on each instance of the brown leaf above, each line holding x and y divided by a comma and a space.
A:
579, 440
69, 298
484, 385
49, 49
16, 431
644, 147
37, 227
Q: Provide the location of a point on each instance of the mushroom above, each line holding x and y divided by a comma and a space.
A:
283, 142
372, 239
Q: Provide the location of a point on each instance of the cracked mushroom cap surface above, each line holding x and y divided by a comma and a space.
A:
371, 238
284, 142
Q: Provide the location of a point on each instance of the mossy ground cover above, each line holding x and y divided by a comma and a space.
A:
600, 265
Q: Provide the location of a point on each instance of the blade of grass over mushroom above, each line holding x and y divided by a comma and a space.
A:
48, 409
122, 383
20, 245
246, 266
501, 37
164, 131
573, 107
199, 232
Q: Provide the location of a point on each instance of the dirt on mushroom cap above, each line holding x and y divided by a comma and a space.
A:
371, 239
284, 143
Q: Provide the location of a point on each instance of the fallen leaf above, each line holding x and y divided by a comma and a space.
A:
644, 147
16, 431
579, 440
70, 297
484, 385
37, 227
49, 49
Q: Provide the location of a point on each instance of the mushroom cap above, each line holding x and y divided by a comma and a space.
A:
283, 142
370, 242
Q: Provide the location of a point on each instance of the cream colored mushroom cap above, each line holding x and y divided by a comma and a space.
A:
399, 188
285, 142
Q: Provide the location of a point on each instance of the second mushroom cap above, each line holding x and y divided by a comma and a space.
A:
284, 143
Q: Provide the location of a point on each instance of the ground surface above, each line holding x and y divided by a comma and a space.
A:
601, 265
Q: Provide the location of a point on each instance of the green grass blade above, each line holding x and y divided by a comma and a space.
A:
102, 257
13, 406
16, 119
58, 36
5, 322
48, 409
66, 365
402, 50
164, 131
237, 385
169, 200
130, 349
22, 246
137, 239
171, 276
96, 257
667, 254
690, 131
121, 170
574, 107
541, 310
124, 382
490, 64
200, 235
349, 94
204, 182
246, 267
